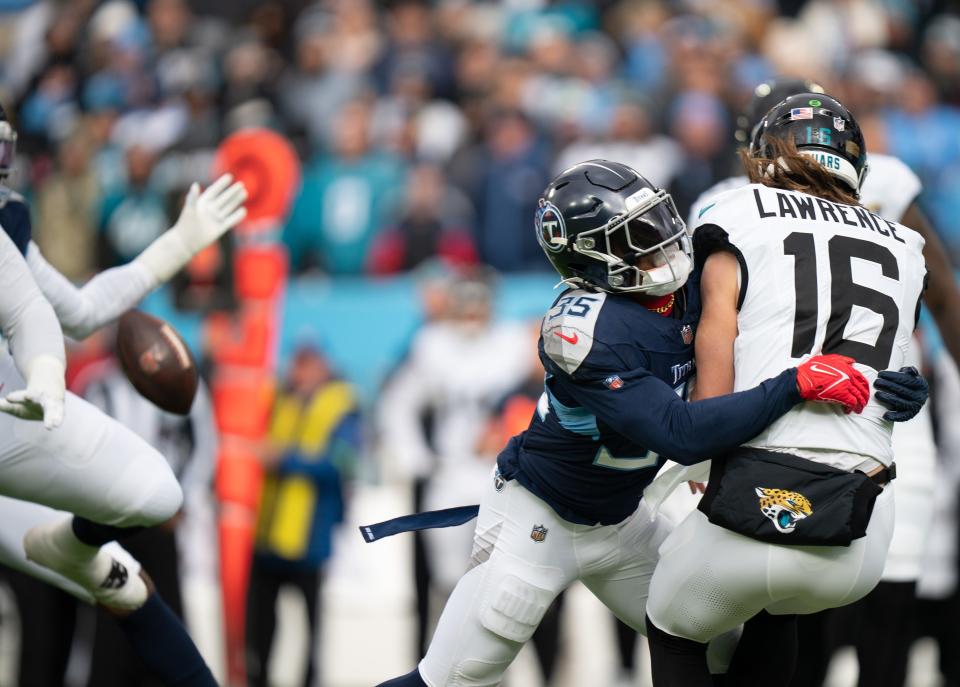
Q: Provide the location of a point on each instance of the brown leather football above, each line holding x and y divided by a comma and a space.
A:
157, 361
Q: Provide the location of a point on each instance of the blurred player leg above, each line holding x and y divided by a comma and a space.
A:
937, 618
888, 614
158, 637
546, 639
112, 662
886, 633
626, 650
262, 594
675, 661
816, 643
47, 618
764, 635
308, 582
268, 574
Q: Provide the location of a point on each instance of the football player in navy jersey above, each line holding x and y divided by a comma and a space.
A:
564, 502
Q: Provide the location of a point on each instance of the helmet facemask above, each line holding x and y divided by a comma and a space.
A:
8, 148
646, 250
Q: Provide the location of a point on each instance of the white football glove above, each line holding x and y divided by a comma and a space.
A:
44, 396
205, 218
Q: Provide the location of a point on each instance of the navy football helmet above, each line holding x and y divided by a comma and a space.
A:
8, 144
823, 129
603, 226
765, 96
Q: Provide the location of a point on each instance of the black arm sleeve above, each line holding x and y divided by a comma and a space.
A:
646, 410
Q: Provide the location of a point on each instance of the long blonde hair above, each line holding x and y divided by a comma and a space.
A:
786, 168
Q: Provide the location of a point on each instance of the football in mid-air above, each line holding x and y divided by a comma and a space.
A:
157, 361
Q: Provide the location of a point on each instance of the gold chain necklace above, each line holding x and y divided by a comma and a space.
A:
664, 308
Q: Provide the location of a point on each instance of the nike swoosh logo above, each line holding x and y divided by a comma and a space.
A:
841, 377
829, 370
569, 339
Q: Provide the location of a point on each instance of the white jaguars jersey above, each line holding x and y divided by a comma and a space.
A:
888, 190
819, 277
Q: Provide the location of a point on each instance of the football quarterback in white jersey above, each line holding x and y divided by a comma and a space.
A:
59, 451
799, 518
890, 190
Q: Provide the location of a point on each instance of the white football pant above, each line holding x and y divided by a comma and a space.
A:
91, 466
518, 570
711, 580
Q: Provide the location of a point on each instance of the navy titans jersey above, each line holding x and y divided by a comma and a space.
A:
614, 409
15, 218
569, 456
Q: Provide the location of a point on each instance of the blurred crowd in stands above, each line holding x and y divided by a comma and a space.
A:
427, 127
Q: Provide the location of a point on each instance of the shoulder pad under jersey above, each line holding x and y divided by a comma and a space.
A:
569, 327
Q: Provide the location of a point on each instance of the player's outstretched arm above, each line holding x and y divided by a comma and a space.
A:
204, 219
36, 341
82, 310
647, 411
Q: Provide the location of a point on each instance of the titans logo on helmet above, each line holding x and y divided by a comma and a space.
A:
551, 229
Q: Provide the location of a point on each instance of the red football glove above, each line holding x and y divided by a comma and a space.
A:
833, 379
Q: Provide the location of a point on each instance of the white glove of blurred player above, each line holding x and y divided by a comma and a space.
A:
205, 218
43, 398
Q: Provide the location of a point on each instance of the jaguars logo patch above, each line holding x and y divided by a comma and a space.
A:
551, 229
784, 508
539, 533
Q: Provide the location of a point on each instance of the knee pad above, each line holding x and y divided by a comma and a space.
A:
153, 496
164, 500
515, 609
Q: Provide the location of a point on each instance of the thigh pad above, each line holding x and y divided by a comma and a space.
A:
515, 608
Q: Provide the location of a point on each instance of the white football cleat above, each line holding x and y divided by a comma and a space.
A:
109, 581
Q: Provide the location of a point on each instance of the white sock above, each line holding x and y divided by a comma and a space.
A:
71, 552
